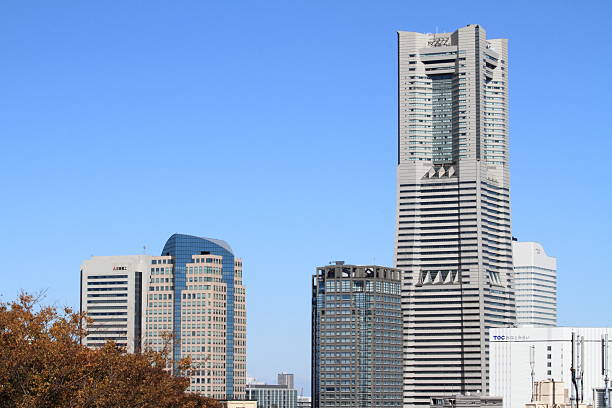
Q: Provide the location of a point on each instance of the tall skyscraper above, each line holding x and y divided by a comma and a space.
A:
356, 337
193, 293
535, 277
453, 208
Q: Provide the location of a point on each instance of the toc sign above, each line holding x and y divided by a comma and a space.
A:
510, 338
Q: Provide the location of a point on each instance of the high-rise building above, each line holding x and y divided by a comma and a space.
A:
453, 208
535, 284
356, 337
285, 379
190, 301
113, 294
522, 356
207, 311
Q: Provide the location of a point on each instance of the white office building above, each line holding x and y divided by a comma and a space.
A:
535, 283
511, 356
112, 297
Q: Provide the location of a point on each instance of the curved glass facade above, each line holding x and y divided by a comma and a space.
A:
182, 248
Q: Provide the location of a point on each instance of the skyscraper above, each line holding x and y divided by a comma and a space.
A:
453, 208
193, 292
535, 277
356, 337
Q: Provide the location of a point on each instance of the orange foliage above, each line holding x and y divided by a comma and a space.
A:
43, 365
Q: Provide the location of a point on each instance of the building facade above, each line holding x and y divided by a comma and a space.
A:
549, 350
466, 401
304, 402
189, 302
453, 238
535, 283
113, 294
272, 396
356, 337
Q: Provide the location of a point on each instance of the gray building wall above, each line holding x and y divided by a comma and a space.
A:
453, 208
356, 337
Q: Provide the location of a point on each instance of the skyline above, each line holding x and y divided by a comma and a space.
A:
128, 158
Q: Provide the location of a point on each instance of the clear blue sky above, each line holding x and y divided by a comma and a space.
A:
272, 125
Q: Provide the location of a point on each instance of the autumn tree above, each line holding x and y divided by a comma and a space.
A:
43, 365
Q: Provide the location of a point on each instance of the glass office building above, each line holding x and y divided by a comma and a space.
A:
209, 314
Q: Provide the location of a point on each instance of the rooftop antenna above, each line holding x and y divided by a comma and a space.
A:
532, 365
144, 249
577, 369
604, 370
574, 385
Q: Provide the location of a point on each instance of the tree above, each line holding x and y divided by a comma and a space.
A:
43, 365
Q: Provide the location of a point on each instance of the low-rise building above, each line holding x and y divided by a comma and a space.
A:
272, 396
520, 357
304, 402
467, 401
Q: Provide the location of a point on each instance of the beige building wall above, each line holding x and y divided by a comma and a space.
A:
204, 317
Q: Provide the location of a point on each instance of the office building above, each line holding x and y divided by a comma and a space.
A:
112, 296
549, 350
189, 300
206, 310
356, 337
453, 208
285, 379
272, 396
466, 401
304, 402
535, 284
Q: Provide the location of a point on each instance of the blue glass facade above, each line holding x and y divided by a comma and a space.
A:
181, 247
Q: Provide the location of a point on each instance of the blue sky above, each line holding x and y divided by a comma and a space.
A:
272, 125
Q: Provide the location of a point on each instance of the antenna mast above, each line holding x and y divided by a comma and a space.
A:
532, 365
604, 370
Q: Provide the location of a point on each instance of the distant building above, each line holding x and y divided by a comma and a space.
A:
272, 396
535, 278
598, 397
285, 379
511, 351
239, 404
551, 394
466, 401
356, 337
304, 402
